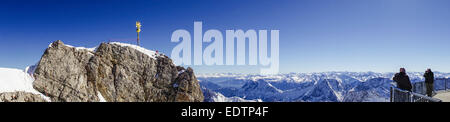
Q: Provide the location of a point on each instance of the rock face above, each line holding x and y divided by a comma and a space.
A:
62, 76
20, 97
119, 73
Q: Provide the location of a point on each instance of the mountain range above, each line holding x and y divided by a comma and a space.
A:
305, 87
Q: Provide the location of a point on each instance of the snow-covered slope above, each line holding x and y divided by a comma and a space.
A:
327, 90
150, 53
211, 96
259, 89
13, 80
376, 89
79, 48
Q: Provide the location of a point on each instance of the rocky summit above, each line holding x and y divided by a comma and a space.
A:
113, 73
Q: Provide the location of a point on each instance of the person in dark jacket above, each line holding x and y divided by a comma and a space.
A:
402, 80
429, 80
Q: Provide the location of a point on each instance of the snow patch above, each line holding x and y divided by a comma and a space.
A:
30, 70
14, 80
218, 97
91, 50
150, 53
78, 48
102, 99
179, 72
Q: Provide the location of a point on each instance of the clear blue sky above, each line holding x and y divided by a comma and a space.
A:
315, 35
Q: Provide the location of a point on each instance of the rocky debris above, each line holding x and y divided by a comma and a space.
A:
119, 73
20, 97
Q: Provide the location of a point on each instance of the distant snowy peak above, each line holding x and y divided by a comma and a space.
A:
374, 83
376, 89
260, 85
327, 90
211, 96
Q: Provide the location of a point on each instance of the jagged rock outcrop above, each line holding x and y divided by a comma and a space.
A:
187, 86
124, 74
20, 97
119, 73
61, 74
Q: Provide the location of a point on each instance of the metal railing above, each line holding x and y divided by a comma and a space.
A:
418, 91
440, 84
399, 95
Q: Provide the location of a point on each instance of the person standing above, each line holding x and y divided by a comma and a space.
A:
402, 80
429, 82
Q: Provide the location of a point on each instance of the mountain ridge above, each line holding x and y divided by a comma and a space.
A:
111, 72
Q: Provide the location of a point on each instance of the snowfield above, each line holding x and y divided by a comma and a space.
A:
13, 80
